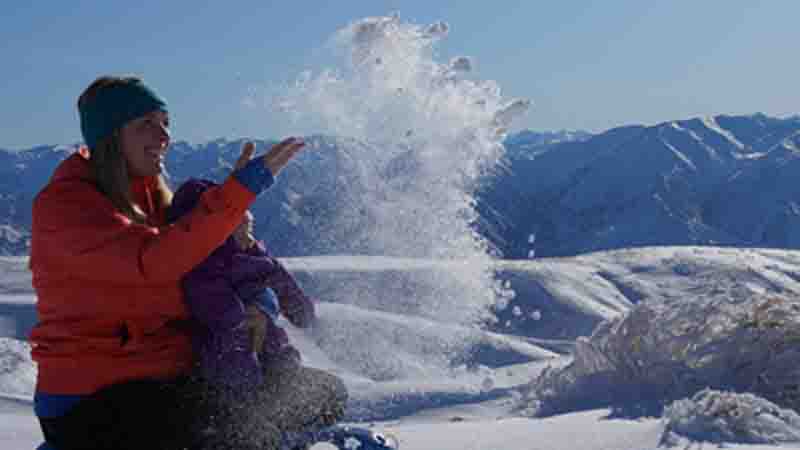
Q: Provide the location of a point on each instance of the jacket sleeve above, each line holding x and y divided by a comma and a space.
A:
294, 303
247, 276
210, 296
257, 269
77, 231
248, 267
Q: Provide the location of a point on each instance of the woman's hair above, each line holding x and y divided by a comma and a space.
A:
108, 163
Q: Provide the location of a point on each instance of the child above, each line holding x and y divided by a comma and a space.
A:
239, 285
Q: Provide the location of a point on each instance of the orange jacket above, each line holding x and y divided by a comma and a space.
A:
109, 300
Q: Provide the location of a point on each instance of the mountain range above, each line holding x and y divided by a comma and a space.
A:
722, 181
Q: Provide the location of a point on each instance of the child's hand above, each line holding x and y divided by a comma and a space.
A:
256, 324
244, 239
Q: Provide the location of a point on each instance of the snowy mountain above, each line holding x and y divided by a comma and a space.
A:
529, 139
725, 180
712, 181
22, 174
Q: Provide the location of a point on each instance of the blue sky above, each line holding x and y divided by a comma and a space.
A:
585, 65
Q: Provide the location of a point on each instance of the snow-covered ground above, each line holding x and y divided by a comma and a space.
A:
442, 385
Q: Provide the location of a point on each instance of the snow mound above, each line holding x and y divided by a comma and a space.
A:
17, 370
386, 347
671, 348
729, 417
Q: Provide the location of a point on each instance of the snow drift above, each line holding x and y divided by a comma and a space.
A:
667, 349
729, 417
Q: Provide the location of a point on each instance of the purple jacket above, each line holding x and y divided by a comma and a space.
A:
217, 291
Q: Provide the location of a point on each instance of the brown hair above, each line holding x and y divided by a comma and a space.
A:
108, 163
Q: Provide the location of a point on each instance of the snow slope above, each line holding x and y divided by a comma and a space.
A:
466, 398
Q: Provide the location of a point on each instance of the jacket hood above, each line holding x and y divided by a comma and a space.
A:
76, 166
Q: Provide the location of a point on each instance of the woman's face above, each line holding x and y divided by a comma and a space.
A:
144, 143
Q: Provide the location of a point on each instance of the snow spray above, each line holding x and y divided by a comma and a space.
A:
426, 132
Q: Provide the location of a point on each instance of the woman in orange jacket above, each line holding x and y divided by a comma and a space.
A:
113, 339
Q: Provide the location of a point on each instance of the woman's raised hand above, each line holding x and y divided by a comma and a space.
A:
259, 174
281, 153
276, 158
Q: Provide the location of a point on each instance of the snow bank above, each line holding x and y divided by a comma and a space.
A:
389, 347
17, 370
729, 417
672, 348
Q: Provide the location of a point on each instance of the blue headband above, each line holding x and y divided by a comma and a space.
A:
114, 106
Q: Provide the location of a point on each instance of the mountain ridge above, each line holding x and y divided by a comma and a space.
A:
671, 179
717, 180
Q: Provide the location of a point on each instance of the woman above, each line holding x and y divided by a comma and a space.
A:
113, 339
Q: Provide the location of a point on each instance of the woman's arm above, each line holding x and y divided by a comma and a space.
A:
78, 230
